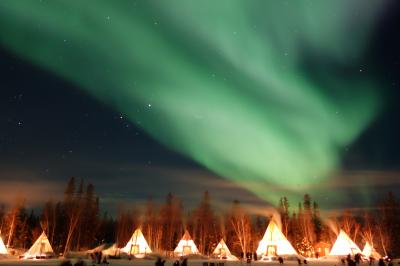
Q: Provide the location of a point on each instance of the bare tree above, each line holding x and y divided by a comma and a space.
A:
12, 218
171, 222
73, 210
283, 210
152, 226
241, 224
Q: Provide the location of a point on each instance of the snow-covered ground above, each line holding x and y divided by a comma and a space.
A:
145, 262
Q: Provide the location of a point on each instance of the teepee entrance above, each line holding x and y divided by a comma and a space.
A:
271, 250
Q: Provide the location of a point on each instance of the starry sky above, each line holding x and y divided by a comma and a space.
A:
248, 100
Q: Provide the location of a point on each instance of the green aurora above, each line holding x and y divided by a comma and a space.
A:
252, 90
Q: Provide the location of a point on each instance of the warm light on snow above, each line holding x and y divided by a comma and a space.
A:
274, 243
344, 246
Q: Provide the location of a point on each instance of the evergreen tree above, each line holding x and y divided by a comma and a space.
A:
106, 230
317, 222
283, 210
171, 222
390, 225
305, 247
308, 224
205, 230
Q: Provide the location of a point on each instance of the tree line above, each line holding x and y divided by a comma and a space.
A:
76, 223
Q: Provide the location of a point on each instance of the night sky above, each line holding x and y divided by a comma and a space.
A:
248, 100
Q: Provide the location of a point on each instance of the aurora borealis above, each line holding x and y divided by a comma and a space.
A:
268, 94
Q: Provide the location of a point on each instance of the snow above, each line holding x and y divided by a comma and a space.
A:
145, 262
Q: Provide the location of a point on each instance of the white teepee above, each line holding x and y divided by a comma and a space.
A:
344, 246
222, 251
186, 246
40, 249
105, 249
274, 243
369, 251
3, 250
137, 244
111, 251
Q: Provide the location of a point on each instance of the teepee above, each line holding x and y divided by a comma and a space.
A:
40, 249
186, 246
369, 251
3, 250
137, 244
105, 249
222, 251
274, 243
344, 246
112, 250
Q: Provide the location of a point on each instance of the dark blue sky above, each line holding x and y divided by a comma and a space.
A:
50, 130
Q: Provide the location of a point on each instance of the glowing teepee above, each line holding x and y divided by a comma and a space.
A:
3, 250
40, 249
369, 251
274, 243
186, 246
111, 251
137, 244
222, 251
344, 246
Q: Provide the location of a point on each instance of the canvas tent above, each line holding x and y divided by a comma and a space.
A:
186, 246
40, 249
3, 250
369, 251
98, 248
111, 251
222, 251
344, 246
105, 249
137, 244
274, 243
